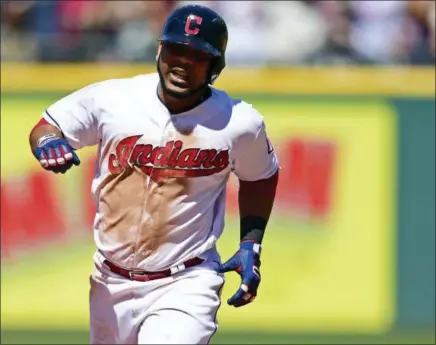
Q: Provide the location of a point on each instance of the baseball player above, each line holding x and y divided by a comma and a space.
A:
167, 143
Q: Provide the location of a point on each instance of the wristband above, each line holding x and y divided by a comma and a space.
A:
252, 228
46, 138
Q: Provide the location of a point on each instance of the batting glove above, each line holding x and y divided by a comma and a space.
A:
246, 262
55, 154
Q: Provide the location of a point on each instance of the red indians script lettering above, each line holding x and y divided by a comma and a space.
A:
170, 160
192, 24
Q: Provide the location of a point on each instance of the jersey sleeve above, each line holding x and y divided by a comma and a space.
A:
254, 157
75, 116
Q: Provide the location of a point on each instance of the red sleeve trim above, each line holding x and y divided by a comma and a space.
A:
41, 122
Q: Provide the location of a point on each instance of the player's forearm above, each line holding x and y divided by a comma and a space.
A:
39, 131
256, 200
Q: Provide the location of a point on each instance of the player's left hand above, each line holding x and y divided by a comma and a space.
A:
246, 262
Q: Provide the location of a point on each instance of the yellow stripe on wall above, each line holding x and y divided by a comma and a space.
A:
386, 81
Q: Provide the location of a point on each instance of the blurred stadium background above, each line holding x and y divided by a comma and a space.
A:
348, 92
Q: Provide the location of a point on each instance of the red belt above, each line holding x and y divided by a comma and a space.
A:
143, 276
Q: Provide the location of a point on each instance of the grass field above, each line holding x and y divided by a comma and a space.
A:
241, 337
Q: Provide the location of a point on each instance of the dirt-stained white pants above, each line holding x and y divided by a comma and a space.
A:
180, 309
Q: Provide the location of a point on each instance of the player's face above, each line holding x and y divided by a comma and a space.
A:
183, 69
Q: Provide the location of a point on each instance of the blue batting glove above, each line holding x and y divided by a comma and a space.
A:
246, 262
55, 154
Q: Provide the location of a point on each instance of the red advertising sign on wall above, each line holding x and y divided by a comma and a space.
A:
31, 212
308, 176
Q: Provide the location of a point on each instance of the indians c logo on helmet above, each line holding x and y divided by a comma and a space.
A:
170, 160
192, 19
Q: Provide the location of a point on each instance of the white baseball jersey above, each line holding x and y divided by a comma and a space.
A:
161, 178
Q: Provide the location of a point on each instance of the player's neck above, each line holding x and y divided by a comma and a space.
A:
176, 106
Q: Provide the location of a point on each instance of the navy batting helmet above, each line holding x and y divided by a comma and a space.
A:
201, 28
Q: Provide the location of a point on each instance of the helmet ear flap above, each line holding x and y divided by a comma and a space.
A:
219, 63
216, 67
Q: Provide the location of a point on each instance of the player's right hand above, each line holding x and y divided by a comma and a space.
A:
55, 154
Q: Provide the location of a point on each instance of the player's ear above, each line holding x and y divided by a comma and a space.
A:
159, 48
